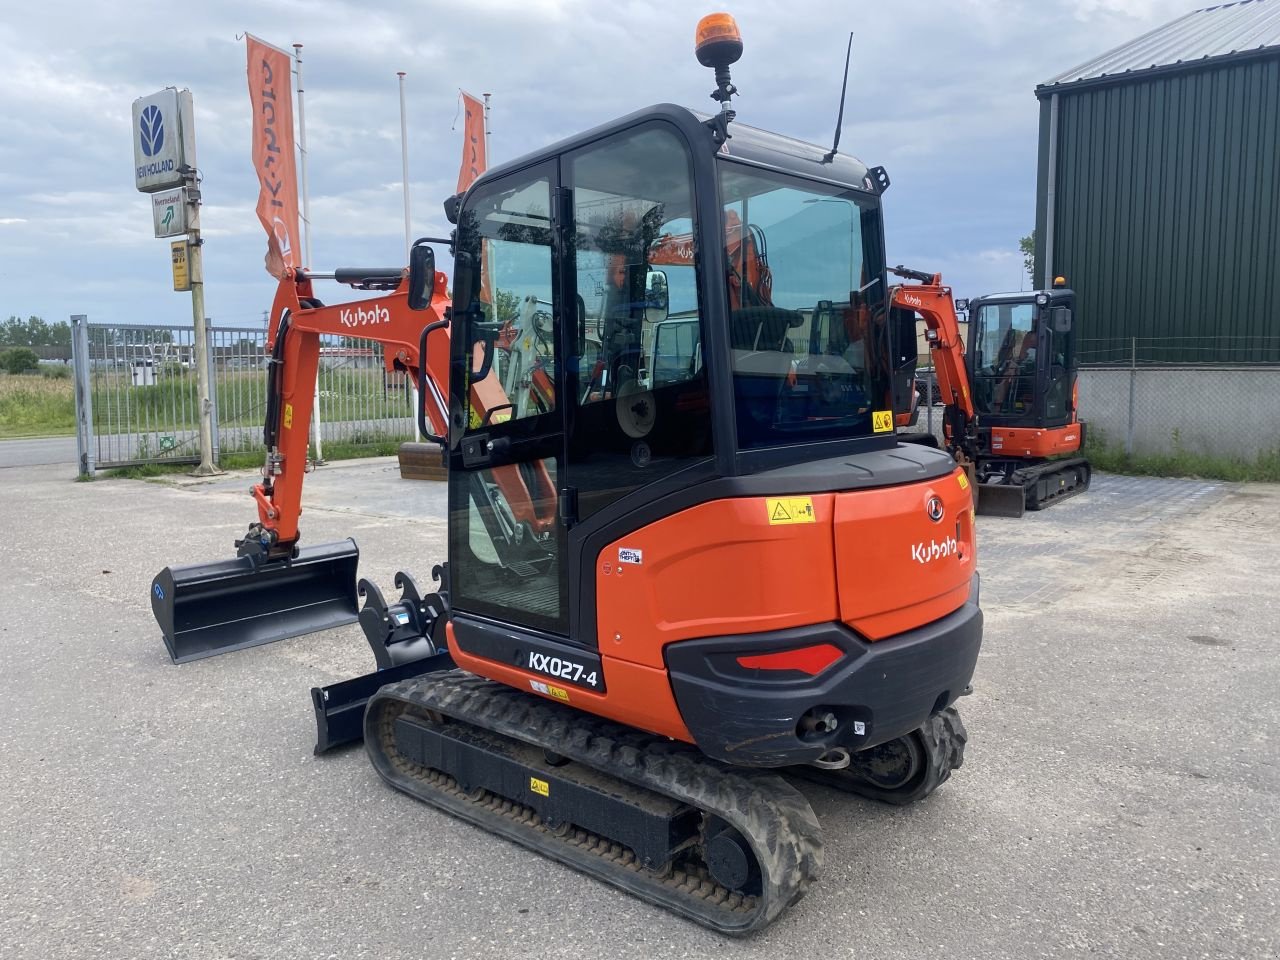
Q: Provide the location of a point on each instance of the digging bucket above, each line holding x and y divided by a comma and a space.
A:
205, 609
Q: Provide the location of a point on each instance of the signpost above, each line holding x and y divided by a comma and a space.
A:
164, 161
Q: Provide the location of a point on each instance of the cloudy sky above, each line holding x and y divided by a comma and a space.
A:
940, 94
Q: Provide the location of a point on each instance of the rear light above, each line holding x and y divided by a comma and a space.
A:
811, 660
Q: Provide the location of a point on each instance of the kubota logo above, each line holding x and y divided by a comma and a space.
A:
911, 300
360, 317
933, 550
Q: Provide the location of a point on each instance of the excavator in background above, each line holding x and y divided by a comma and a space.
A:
1011, 398
671, 583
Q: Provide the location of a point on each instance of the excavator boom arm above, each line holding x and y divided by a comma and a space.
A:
933, 301
297, 323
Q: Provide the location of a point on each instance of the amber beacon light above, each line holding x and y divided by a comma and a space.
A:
718, 42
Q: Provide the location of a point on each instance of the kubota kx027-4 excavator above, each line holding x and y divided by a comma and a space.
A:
669, 580
1011, 396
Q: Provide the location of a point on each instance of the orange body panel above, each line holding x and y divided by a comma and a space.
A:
714, 569
636, 695
1033, 442
871, 558
898, 568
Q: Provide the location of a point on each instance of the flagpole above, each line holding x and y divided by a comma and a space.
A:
306, 231
408, 235
404, 162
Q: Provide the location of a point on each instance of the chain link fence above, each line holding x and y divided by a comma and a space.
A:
1211, 396
137, 402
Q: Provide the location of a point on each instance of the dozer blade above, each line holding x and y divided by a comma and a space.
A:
205, 609
1001, 499
340, 706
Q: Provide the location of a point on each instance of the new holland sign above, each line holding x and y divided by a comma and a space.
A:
164, 137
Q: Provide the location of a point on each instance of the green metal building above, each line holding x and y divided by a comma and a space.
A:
1158, 192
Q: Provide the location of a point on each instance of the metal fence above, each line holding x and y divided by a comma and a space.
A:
136, 396
1135, 398
1212, 396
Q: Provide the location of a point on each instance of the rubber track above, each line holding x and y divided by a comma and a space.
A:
772, 815
1031, 475
942, 738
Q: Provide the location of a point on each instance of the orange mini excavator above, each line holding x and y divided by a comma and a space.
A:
699, 563
1011, 397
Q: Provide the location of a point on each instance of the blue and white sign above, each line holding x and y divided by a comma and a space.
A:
163, 139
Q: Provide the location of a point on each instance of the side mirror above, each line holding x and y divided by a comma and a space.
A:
962, 304
1060, 319
422, 275
656, 300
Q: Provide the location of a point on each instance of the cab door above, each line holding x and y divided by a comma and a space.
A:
506, 451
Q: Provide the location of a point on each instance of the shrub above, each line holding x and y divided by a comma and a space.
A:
20, 360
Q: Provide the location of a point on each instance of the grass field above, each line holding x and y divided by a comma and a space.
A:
34, 405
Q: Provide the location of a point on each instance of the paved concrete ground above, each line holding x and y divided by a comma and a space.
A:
37, 451
1121, 794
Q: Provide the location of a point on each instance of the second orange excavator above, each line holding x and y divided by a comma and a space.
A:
1011, 397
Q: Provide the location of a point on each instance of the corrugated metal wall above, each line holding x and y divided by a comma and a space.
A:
1167, 220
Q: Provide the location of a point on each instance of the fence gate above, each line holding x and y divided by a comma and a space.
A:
136, 395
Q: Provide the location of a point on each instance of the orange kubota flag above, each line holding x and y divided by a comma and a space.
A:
474, 163
474, 160
271, 92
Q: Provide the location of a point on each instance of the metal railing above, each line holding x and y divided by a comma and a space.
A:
137, 402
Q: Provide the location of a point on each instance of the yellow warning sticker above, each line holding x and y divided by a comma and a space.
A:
540, 787
882, 421
790, 510
963, 481
550, 690
288, 416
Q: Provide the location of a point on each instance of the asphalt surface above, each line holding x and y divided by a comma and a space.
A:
1120, 795
38, 451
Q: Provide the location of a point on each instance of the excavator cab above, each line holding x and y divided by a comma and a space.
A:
707, 312
1022, 358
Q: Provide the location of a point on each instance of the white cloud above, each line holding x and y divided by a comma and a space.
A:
939, 93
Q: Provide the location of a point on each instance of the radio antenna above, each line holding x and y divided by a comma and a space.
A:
844, 88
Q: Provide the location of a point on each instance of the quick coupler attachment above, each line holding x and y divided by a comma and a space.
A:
205, 609
400, 632
407, 639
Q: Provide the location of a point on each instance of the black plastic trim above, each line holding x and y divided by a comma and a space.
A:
890, 687
522, 648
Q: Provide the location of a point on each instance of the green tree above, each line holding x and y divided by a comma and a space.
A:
60, 334
13, 333
1028, 247
37, 332
20, 360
